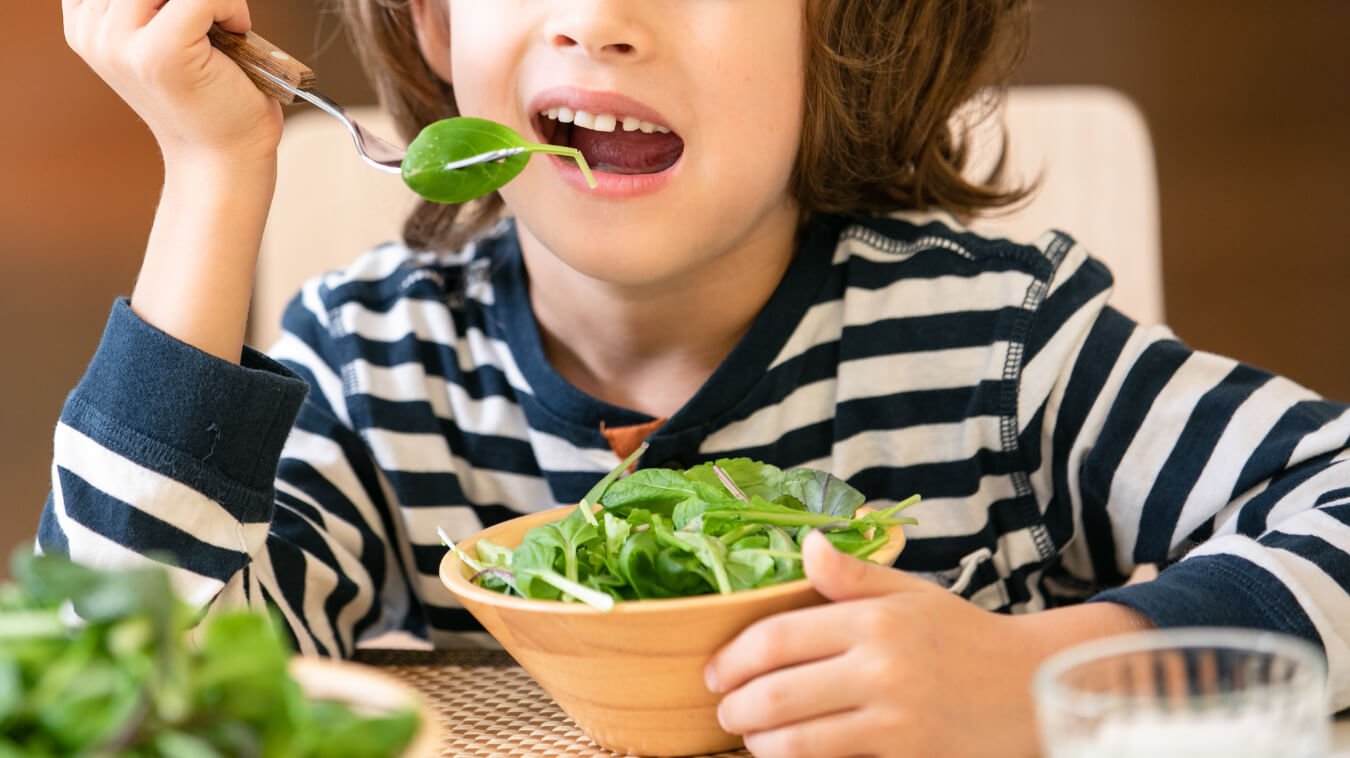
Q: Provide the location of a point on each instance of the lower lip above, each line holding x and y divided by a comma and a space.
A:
615, 186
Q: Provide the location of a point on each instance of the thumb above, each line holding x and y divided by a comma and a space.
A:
839, 576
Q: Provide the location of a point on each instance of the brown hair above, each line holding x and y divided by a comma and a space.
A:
884, 80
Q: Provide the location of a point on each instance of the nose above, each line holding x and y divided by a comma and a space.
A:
605, 30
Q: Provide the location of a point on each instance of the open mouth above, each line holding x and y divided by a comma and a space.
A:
612, 143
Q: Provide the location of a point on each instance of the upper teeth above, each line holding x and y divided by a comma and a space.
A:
602, 122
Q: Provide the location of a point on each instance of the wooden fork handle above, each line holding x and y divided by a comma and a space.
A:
252, 52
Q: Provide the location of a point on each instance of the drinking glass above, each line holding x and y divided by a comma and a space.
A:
1184, 692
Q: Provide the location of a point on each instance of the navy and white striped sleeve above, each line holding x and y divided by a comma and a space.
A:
1235, 480
334, 549
165, 453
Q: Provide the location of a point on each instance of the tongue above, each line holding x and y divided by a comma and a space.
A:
620, 152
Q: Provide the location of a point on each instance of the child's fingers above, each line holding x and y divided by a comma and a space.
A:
234, 16
77, 14
844, 733
194, 99
786, 639
92, 7
793, 695
80, 20
71, 10
130, 15
183, 22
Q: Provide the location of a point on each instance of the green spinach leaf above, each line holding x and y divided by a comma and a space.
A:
440, 144
752, 477
748, 569
657, 490
822, 492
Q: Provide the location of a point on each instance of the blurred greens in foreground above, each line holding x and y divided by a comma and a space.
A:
98, 663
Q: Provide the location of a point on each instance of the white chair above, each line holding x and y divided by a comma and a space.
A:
1091, 148
1089, 145
329, 208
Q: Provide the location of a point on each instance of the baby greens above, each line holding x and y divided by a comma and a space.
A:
450, 140
97, 663
732, 525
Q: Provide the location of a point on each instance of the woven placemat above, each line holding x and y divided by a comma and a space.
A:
488, 705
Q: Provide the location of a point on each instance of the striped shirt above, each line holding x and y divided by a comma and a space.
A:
1056, 444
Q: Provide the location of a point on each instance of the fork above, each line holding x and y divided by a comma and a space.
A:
280, 75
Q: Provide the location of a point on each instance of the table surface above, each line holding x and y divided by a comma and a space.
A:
487, 705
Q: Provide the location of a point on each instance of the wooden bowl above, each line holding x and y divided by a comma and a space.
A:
369, 691
632, 678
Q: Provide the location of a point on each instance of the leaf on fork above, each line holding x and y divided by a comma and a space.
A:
455, 139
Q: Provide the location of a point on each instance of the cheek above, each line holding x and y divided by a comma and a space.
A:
476, 56
758, 122
763, 84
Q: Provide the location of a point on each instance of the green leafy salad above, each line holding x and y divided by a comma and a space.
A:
98, 663
735, 524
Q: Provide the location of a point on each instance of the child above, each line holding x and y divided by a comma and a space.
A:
770, 267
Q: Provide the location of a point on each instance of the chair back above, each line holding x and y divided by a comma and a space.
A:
1091, 149
328, 209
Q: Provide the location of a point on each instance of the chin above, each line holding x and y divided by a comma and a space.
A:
627, 256
619, 261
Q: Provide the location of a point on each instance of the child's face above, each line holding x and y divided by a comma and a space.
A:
724, 76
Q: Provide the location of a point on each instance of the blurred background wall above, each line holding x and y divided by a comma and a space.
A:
1247, 101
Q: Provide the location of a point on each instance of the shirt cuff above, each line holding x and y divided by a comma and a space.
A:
1217, 590
231, 417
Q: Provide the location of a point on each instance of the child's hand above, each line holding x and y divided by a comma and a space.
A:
895, 666
155, 54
